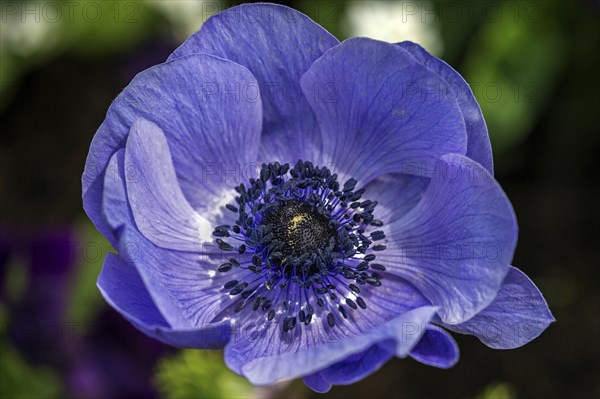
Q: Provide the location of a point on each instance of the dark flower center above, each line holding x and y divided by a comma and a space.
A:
300, 228
310, 243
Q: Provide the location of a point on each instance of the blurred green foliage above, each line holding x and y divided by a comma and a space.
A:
512, 72
19, 379
118, 26
199, 374
328, 14
498, 391
34, 32
15, 283
85, 299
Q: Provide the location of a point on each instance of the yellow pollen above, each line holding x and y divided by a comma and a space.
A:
295, 221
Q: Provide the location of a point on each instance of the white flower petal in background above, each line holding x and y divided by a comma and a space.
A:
395, 21
28, 35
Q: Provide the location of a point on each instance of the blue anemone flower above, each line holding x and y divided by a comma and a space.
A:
309, 206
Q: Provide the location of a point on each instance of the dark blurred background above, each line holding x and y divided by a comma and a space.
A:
533, 66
